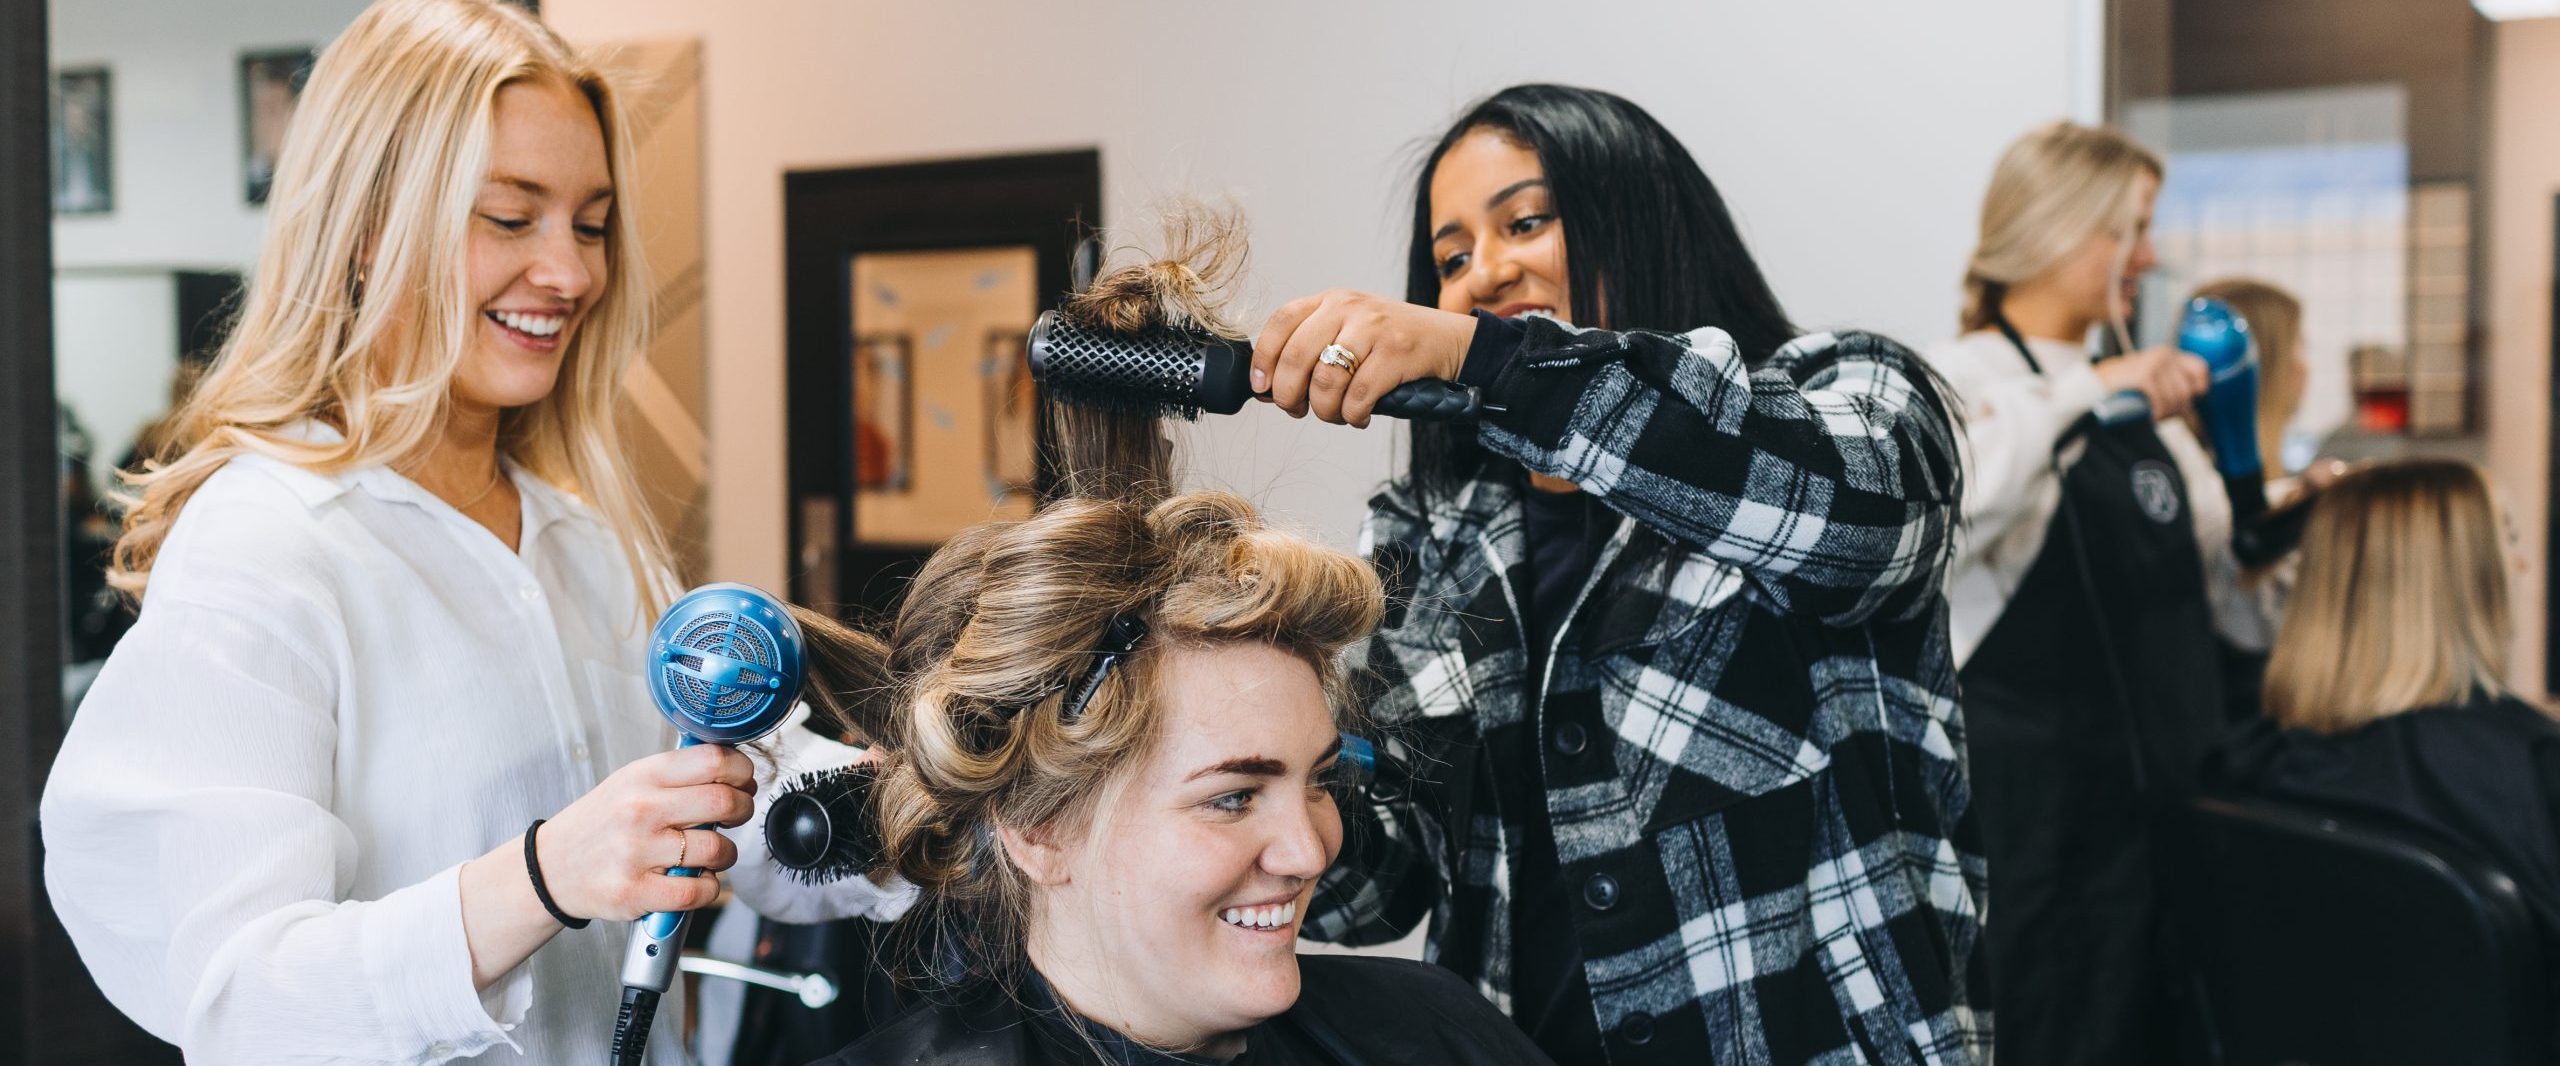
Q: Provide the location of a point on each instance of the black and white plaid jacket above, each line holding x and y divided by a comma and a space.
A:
1751, 749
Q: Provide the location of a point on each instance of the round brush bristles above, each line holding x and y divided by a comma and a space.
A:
1156, 372
820, 827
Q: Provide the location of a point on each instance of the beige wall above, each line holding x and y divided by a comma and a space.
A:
2524, 175
1852, 138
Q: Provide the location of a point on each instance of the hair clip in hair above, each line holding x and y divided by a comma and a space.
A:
1118, 640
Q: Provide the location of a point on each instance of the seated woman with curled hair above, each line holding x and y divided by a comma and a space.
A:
1114, 746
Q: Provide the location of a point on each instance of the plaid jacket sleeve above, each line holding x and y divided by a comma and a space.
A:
1828, 475
1388, 877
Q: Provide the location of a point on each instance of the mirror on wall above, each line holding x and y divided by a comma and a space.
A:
2336, 152
166, 121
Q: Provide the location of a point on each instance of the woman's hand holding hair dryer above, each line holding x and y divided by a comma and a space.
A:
2171, 379
606, 854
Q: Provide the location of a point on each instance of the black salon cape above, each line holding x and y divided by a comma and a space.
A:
2484, 775
1351, 1011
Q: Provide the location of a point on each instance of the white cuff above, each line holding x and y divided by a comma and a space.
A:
417, 957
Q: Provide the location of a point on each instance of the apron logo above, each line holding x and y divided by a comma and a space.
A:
2155, 488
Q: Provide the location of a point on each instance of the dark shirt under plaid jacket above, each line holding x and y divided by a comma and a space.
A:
1750, 746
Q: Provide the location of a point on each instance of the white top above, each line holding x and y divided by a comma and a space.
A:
2013, 416
339, 690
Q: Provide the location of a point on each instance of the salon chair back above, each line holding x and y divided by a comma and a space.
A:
2320, 941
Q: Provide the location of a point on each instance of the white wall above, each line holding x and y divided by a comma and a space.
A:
174, 80
115, 349
1851, 137
174, 123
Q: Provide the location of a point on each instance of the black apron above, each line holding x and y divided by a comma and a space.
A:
2087, 708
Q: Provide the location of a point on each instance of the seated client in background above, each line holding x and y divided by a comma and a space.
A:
2386, 696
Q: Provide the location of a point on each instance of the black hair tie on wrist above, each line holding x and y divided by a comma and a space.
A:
533, 867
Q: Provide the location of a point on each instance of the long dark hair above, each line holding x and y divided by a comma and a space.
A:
1649, 243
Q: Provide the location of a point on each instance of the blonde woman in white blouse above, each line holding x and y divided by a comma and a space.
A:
395, 584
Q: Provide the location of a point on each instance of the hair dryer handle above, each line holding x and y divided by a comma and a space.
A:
657, 940
1434, 400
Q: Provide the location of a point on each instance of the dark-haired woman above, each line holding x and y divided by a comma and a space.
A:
1665, 639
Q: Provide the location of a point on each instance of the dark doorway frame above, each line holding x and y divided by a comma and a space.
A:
2551, 482
30, 528
51, 1014
1048, 201
28, 629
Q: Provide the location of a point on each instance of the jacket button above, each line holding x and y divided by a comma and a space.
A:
1637, 1028
1601, 892
1569, 739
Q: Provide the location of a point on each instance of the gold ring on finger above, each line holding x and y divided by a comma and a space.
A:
1338, 356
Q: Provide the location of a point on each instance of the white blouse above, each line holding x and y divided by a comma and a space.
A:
339, 690
2013, 417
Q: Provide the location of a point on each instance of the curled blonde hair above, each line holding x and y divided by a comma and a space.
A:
966, 693
2402, 603
2052, 188
358, 311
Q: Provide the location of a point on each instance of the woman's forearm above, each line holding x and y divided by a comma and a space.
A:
502, 920
1828, 474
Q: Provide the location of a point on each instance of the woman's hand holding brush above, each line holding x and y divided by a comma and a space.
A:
1336, 353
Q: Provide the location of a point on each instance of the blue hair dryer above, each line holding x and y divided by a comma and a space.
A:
2213, 332
725, 667
2210, 330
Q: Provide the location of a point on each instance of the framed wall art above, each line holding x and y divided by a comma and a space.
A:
270, 88
83, 143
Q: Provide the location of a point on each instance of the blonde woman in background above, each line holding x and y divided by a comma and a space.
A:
395, 584
2387, 696
2088, 665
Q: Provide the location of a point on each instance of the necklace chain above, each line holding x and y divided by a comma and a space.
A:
494, 479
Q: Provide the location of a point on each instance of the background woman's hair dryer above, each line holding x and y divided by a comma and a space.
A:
2228, 411
2211, 330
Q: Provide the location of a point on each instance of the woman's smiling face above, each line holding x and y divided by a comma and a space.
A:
537, 246
1496, 240
1172, 914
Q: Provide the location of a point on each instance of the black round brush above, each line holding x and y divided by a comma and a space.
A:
820, 828
1178, 374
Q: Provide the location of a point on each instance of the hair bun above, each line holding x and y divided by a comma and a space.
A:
1186, 285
